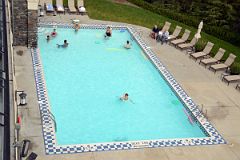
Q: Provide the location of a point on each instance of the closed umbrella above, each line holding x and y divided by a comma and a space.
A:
200, 26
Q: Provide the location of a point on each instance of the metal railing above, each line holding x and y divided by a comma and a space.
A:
4, 78
53, 119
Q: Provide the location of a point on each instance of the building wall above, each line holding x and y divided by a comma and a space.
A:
24, 24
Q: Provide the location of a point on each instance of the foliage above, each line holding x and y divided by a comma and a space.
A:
109, 11
214, 30
235, 68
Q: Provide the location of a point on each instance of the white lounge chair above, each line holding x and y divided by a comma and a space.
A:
224, 65
188, 45
71, 6
81, 8
218, 56
183, 39
59, 5
231, 78
205, 52
176, 32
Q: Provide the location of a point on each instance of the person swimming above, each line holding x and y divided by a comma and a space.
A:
124, 97
64, 45
76, 26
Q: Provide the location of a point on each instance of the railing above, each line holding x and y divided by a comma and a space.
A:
53, 119
4, 86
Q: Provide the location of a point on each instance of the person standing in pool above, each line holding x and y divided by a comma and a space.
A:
127, 45
54, 33
108, 32
48, 38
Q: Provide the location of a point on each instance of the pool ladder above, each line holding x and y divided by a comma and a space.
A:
53, 119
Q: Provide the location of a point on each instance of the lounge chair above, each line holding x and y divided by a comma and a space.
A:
166, 26
48, 6
183, 39
238, 86
71, 6
231, 78
215, 59
205, 52
81, 8
59, 5
224, 65
188, 45
175, 33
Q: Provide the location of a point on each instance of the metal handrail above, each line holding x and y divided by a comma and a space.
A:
53, 119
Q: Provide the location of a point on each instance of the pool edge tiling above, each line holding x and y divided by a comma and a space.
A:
48, 124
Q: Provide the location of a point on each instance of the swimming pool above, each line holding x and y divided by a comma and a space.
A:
84, 83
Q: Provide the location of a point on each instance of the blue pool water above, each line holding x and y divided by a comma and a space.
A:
84, 83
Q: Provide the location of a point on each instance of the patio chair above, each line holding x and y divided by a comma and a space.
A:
59, 6
188, 45
224, 65
166, 26
213, 60
238, 87
71, 6
231, 78
32, 156
176, 32
81, 8
183, 39
205, 52
48, 6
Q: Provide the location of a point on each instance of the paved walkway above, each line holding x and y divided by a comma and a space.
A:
221, 101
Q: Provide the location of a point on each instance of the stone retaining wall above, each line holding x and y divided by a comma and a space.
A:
25, 24
20, 19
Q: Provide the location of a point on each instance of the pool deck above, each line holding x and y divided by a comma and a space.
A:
221, 101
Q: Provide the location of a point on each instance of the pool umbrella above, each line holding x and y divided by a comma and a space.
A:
198, 35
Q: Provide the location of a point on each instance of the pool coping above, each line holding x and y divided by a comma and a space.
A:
48, 127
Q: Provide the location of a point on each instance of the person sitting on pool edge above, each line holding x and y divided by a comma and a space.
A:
108, 32
76, 27
124, 97
54, 33
64, 45
127, 45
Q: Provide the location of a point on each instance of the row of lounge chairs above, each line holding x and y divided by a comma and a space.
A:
213, 62
60, 9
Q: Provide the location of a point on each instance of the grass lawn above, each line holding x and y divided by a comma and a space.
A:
110, 11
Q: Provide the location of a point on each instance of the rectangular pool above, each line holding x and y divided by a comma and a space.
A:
85, 80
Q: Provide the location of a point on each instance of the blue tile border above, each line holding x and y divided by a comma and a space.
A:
51, 146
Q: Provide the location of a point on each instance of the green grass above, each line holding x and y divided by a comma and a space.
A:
109, 11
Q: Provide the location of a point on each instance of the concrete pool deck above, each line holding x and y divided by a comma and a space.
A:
221, 101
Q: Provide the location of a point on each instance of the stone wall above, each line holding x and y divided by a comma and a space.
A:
20, 20
32, 27
25, 24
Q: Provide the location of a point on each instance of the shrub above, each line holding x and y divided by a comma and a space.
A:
218, 32
200, 45
235, 68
